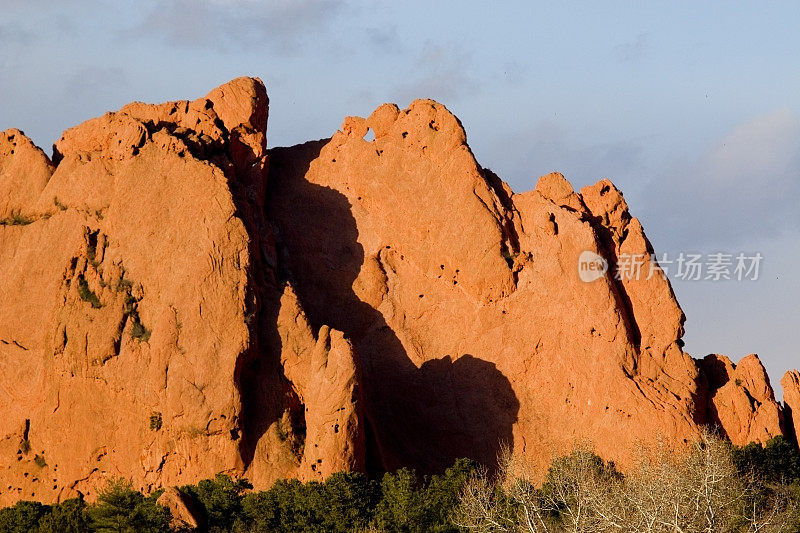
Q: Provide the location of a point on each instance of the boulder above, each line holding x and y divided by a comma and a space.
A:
186, 513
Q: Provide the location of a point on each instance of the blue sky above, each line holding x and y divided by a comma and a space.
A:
691, 108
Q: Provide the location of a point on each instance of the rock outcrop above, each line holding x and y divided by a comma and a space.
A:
742, 403
186, 514
137, 331
791, 401
177, 301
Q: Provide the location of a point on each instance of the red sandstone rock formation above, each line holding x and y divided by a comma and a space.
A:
138, 332
169, 311
791, 401
185, 513
742, 401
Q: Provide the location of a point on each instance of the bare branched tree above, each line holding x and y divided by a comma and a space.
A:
698, 490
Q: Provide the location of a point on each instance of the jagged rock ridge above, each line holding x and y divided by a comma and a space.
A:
178, 301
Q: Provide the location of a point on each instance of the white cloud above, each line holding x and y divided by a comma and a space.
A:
286, 24
746, 186
520, 156
443, 72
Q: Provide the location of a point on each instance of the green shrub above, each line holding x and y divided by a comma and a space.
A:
22, 518
125, 285
343, 503
221, 498
16, 219
778, 461
138, 331
39, 460
402, 505
67, 517
86, 293
442, 495
155, 421
412, 504
119, 508
348, 500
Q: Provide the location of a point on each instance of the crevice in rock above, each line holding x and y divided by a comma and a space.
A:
609, 251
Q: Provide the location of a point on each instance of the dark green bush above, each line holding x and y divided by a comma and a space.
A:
86, 293
67, 517
138, 331
23, 517
343, 503
156, 421
221, 498
16, 219
413, 504
119, 508
776, 462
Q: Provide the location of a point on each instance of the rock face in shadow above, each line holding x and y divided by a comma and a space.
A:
177, 301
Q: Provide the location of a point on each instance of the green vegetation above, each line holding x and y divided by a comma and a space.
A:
16, 219
776, 462
712, 487
138, 330
39, 461
221, 498
23, 517
346, 501
86, 293
120, 508
155, 421
67, 517
125, 285
131, 310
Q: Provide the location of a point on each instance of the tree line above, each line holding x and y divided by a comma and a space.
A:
711, 487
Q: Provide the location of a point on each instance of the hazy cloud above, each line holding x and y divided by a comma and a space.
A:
524, 155
92, 83
385, 39
633, 51
285, 24
443, 72
745, 187
13, 33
